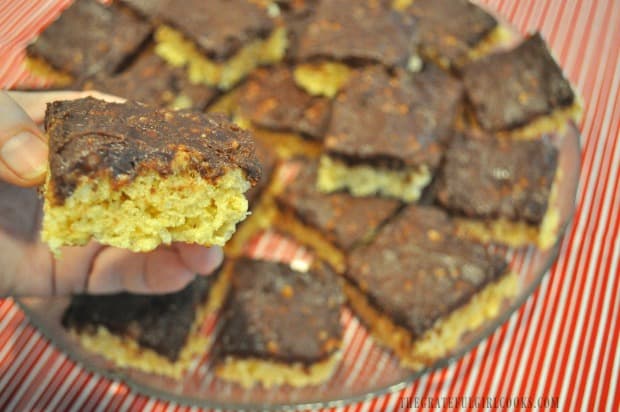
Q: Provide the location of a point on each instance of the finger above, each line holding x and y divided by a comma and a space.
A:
199, 259
116, 270
25, 269
23, 147
72, 268
35, 103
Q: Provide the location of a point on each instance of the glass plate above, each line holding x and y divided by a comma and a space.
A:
366, 370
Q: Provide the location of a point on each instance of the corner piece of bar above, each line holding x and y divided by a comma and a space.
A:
279, 326
418, 288
135, 177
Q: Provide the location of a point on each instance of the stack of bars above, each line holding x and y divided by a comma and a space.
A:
400, 141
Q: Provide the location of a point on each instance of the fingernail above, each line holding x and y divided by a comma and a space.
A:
25, 154
214, 258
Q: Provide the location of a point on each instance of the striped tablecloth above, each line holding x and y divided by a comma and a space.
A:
561, 349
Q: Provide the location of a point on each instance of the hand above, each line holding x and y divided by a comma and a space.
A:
27, 266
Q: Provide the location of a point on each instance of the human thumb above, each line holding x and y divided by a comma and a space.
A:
23, 147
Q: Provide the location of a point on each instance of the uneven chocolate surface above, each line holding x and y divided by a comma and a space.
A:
90, 137
361, 30
158, 322
150, 80
272, 100
510, 89
451, 27
416, 271
268, 159
297, 14
89, 38
396, 121
492, 178
343, 219
219, 27
275, 313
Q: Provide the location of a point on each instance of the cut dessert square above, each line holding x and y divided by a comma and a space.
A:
522, 91
108, 36
342, 32
219, 41
135, 177
453, 32
285, 116
386, 132
418, 288
331, 224
151, 80
279, 326
159, 334
502, 190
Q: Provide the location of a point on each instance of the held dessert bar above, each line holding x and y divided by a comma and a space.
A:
502, 190
343, 32
453, 32
219, 41
331, 224
386, 132
281, 114
521, 92
279, 326
153, 333
135, 177
418, 288
151, 80
86, 39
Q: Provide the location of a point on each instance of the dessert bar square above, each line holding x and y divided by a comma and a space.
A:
418, 288
153, 333
219, 41
342, 32
521, 91
453, 32
151, 80
282, 114
86, 39
135, 177
279, 326
331, 224
386, 132
502, 190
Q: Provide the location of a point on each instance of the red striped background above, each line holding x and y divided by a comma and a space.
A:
563, 342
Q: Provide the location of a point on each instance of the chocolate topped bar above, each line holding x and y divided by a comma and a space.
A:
492, 178
416, 271
343, 219
271, 99
510, 89
393, 121
451, 28
150, 80
267, 158
297, 14
158, 322
89, 38
359, 31
219, 27
278, 314
90, 137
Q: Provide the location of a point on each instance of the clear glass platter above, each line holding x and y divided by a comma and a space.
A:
366, 370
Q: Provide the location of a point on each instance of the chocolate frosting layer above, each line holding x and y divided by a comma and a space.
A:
89, 38
397, 120
150, 80
416, 271
491, 178
158, 322
276, 313
219, 27
343, 219
361, 30
90, 137
272, 100
268, 158
512, 88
